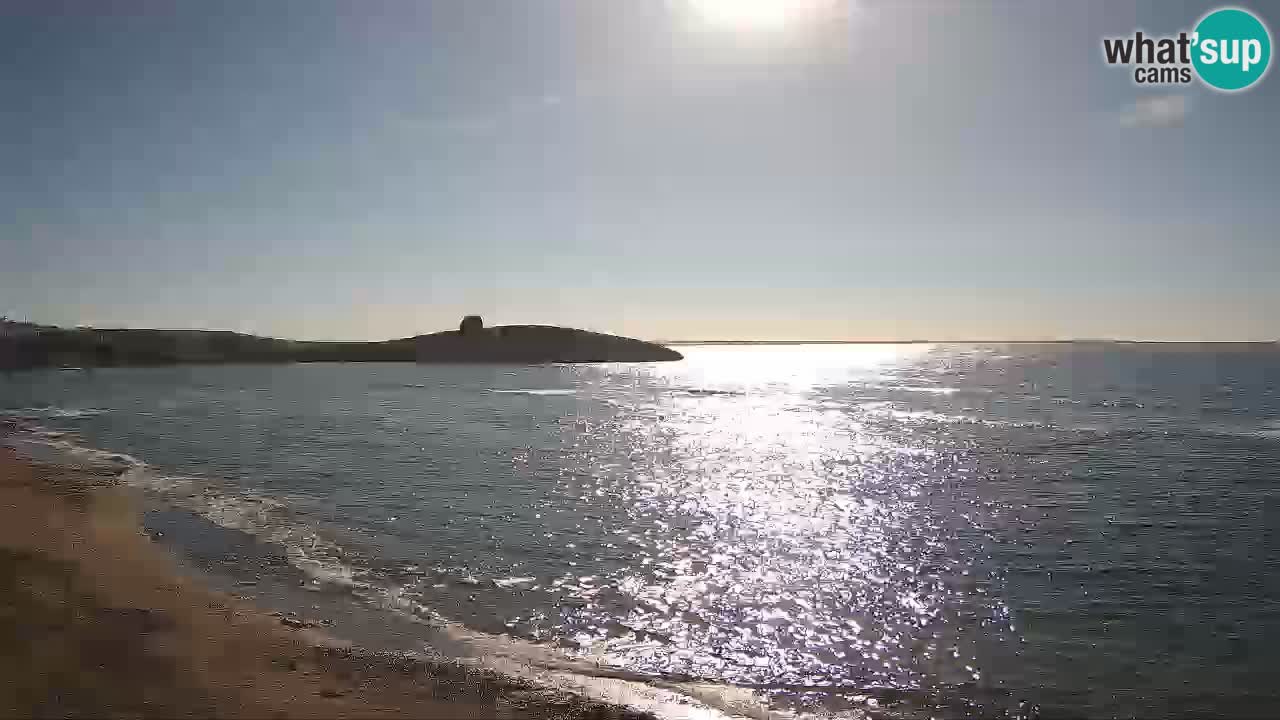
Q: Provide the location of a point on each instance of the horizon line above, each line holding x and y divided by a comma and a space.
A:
988, 341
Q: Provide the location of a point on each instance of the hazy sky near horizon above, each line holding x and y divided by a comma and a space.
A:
364, 170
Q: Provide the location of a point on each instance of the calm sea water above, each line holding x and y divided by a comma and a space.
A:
1069, 530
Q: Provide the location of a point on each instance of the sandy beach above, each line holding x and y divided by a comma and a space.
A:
97, 621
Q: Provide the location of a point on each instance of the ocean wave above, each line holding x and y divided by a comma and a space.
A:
270, 520
64, 448
395, 387
933, 390
1090, 437
1266, 431
1118, 403
926, 389
589, 670
266, 518
885, 408
53, 412
514, 581
537, 391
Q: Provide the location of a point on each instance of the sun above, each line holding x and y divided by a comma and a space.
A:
758, 14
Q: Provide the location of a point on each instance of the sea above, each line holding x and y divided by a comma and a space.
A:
916, 530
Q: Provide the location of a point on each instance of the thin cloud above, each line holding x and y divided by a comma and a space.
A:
1156, 111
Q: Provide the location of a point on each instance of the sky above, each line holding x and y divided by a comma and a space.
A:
666, 169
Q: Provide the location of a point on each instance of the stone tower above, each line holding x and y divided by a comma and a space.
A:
471, 325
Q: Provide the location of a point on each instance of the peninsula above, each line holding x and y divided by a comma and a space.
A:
25, 345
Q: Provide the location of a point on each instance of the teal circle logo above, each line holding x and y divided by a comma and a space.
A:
1232, 49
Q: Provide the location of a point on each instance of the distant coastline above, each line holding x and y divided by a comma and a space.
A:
27, 345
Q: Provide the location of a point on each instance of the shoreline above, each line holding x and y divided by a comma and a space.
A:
103, 622
187, 539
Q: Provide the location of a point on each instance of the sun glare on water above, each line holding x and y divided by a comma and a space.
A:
759, 14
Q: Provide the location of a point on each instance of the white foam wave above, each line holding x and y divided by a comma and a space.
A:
1268, 431
53, 412
270, 520
537, 391
514, 581
45, 444
933, 390
266, 518
885, 408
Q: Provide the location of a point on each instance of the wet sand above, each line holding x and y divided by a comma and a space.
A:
96, 621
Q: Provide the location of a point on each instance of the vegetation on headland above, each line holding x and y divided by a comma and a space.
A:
26, 345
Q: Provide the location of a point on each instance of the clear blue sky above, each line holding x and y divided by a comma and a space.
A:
880, 169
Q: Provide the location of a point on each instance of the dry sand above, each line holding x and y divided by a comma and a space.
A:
95, 621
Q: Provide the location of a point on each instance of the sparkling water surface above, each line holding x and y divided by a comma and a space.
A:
1069, 530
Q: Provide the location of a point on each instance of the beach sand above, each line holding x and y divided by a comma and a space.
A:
96, 621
